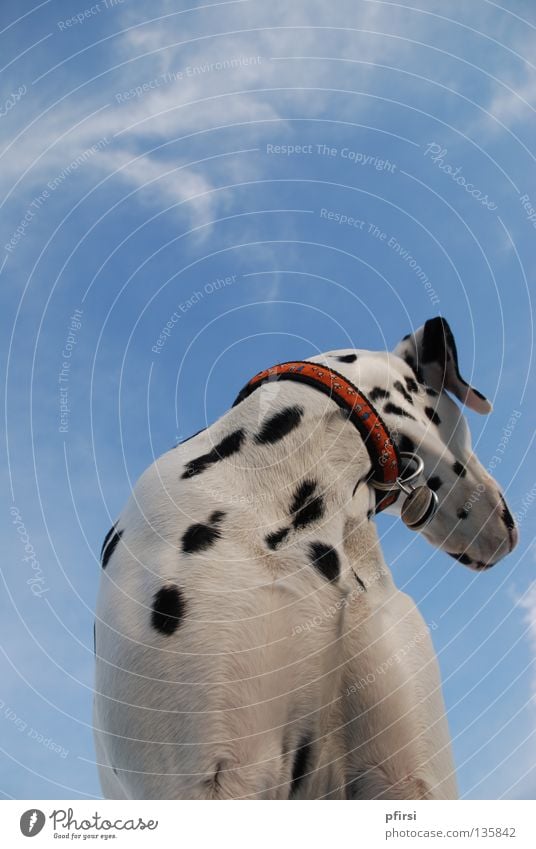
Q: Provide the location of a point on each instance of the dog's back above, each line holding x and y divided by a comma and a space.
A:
211, 681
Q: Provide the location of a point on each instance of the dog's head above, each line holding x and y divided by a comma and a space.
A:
410, 388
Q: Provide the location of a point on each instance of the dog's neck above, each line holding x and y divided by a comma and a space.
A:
323, 444
324, 448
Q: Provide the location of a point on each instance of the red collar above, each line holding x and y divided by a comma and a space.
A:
382, 450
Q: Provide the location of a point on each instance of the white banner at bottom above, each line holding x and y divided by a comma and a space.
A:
366, 825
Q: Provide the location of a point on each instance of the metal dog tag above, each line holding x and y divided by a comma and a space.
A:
419, 507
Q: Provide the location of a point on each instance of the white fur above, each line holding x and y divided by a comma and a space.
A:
269, 652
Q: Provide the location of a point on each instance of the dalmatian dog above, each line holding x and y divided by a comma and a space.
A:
250, 641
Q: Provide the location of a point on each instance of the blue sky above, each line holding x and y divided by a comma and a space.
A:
143, 159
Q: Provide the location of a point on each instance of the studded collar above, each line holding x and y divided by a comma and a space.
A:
361, 412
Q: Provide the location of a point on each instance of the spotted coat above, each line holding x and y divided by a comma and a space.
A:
250, 641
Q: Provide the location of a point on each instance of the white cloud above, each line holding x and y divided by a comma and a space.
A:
217, 91
516, 102
199, 51
163, 183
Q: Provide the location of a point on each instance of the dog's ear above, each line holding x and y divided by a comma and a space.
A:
431, 352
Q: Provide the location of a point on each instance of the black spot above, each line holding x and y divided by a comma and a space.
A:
405, 444
229, 445
508, 519
115, 770
406, 337
432, 415
479, 394
312, 511
305, 490
462, 513
274, 539
370, 514
347, 358
431, 392
108, 547
306, 507
168, 610
360, 582
378, 392
278, 425
411, 384
302, 762
434, 483
397, 411
462, 558
459, 470
326, 560
200, 536
413, 365
403, 391
107, 538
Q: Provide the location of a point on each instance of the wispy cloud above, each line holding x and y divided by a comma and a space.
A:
236, 65
182, 75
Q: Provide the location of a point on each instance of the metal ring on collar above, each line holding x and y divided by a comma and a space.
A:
401, 482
